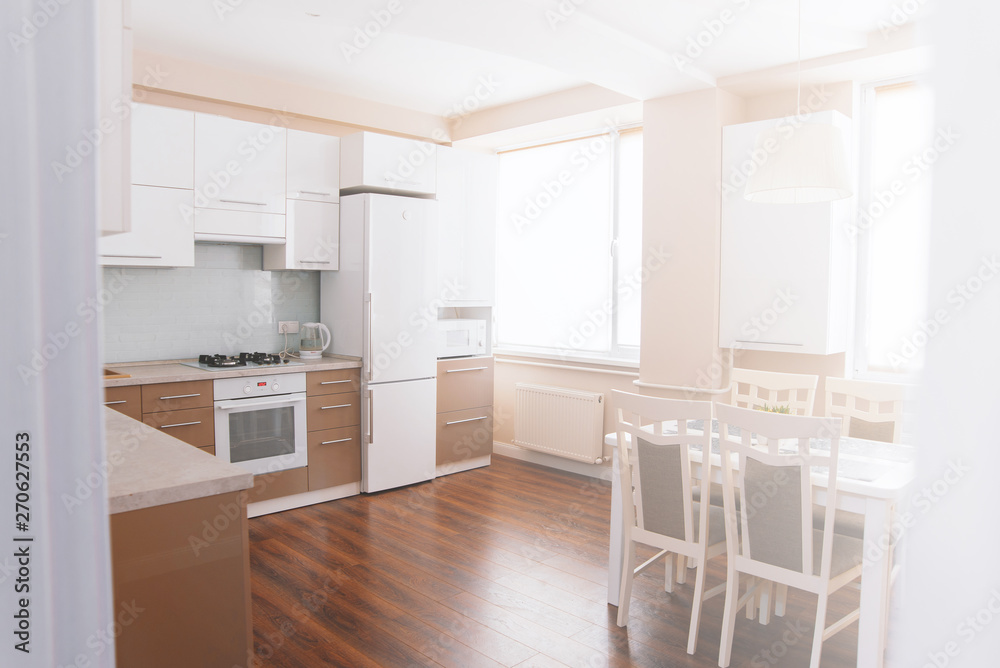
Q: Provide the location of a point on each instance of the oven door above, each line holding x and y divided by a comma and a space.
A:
262, 434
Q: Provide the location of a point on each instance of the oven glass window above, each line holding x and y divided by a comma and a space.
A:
269, 432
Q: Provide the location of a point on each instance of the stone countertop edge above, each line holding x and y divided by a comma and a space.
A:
172, 371
148, 468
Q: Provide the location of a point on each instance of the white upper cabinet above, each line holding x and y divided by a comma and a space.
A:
312, 238
162, 146
785, 268
467, 202
115, 94
162, 233
239, 166
375, 163
313, 167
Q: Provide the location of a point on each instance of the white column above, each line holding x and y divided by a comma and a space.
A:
50, 404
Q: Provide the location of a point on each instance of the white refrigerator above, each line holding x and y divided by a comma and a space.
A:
381, 306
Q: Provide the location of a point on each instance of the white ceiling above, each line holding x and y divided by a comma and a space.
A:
433, 54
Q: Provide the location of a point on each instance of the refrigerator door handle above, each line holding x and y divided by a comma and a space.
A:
371, 416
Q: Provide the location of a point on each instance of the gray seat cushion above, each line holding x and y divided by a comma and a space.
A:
845, 523
847, 553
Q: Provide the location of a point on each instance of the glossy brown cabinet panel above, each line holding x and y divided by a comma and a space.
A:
331, 411
210, 449
177, 396
334, 457
126, 400
465, 434
195, 425
464, 383
336, 381
280, 483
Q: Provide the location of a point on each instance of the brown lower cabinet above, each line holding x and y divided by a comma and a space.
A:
463, 435
334, 457
126, 400
280, 483
465, 411
181, 576
193, 425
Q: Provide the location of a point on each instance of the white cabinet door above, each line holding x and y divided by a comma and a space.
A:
312, 238
313, 167
238, 166
162, 233
467, 201
162, 146
371, 162
784, 268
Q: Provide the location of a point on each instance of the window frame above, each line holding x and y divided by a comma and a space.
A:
618, 354
862, 276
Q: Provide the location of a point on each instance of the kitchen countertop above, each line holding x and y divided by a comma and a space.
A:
148, 468
172, 371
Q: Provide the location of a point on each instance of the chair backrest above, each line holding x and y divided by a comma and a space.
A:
774, 480
870, 410
756, 389
654, 440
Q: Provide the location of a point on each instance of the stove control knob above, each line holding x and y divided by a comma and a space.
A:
247, 389
274, 386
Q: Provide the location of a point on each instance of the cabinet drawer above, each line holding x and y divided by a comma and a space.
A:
194, 425
279, 483
464, 434
331, 411
334, 457
464, 383
333, 382
127, 400
176, 396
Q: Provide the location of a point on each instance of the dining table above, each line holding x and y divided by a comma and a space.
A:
872, 479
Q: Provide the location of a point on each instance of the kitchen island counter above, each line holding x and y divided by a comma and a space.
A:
147, 468
172, 371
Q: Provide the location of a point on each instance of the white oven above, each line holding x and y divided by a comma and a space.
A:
260, 421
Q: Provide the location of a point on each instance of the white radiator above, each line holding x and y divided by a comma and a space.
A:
562, 422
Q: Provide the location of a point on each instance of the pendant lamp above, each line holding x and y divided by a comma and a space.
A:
805, 163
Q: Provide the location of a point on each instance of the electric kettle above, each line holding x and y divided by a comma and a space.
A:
314, 338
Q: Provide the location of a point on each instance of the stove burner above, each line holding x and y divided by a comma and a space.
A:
243, 359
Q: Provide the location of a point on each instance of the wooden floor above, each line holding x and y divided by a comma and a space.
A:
504, 565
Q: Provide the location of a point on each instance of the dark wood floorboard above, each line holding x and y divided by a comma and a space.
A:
501, 566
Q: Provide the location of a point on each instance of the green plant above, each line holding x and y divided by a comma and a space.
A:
774, 409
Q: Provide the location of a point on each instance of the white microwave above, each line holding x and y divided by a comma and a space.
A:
461, 337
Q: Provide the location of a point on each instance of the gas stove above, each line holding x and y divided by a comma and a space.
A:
240, 361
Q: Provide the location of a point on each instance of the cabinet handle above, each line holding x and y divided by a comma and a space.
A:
323, 408
392, 179
316, 261
313, 192
485, 417
179, 424
334, 382
141, 257
240, 201
180, 396
339, 440
770, 343
471, 368
112, 403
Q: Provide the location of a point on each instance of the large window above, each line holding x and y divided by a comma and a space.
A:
899, 147
569, 247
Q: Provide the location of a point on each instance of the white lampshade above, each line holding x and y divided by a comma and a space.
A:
804, 164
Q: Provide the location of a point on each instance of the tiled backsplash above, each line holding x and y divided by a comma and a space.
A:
224, 304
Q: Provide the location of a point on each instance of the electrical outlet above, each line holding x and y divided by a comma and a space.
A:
288, 327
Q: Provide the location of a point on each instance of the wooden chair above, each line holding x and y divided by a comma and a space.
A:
657, 504
756, 389
772, 538
870, 410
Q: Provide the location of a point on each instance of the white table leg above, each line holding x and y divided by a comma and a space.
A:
615, 539
874, 585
